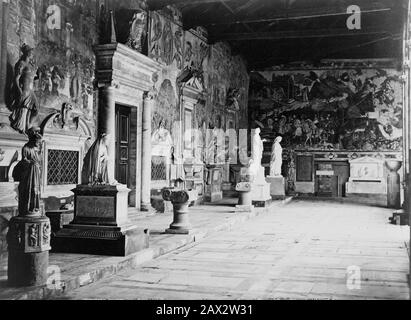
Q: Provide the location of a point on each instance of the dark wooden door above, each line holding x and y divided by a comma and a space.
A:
122, 144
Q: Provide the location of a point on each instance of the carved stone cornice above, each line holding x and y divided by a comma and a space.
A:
128, 69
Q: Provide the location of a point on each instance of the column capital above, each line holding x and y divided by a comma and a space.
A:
149, 95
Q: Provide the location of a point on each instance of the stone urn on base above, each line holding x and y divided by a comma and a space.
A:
393, 183
181, 200
244, 188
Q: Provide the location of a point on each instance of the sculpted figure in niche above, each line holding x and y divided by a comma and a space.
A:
95, 168
24, 104
276, 158
28, 174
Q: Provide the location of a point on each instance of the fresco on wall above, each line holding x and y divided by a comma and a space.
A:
358, 109
165, 40
225, 74
166, 107
63, 56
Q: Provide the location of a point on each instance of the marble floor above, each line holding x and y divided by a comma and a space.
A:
305, 250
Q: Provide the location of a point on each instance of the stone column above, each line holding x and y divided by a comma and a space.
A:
4, 16
107, 125
393, 184
148, 101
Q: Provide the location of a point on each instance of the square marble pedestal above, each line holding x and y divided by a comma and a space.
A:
260, 191
101, 224
277, 187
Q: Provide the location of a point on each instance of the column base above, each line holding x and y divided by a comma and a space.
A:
100, 240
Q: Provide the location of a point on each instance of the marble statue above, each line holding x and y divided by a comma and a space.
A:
276, 158
257, 149
95, 168
24, 104
28, 174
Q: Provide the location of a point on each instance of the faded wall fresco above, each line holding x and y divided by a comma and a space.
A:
353, 109
63, 56
215, 69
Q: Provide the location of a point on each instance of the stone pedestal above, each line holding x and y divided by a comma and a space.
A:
101, 224
260, 190
244, 200
28, 245
277, 187
181, 200
213, 191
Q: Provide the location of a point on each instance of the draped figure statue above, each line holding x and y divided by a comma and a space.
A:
95, 168
257, 149
276, 158
28, 173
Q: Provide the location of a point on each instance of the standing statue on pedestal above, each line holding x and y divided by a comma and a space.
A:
257, 149
28, 174
95, 168
24, 104
276, 158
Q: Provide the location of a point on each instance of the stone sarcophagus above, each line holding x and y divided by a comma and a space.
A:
367, 180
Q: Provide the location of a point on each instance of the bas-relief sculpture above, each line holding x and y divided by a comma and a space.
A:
339, 109
24, 104
28, 174
276, 158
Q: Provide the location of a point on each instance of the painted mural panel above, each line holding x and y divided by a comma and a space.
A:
166, 38
353, 109
62, 35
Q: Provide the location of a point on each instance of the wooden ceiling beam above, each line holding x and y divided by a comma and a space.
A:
298, 34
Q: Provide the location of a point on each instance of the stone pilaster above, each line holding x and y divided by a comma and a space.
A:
107, 124
148, 102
